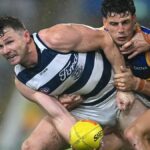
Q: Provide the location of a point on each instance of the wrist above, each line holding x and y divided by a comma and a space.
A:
140, 85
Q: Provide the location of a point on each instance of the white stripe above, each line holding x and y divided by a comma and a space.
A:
52, 69
18, 68
95, 76
103, 92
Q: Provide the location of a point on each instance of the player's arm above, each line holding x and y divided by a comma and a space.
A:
124, 99
59, 115
72, 37
112, 53
126, 81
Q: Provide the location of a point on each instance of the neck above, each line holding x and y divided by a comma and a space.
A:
31, 56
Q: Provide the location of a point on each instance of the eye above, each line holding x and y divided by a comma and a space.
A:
126, 22
1, 46
113, 23
9, 42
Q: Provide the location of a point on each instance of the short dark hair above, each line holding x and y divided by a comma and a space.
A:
12, 22
117, 6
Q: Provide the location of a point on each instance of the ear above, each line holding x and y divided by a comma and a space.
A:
134, 18
27, 36
105, 22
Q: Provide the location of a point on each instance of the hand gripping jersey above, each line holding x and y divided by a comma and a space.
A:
56, 73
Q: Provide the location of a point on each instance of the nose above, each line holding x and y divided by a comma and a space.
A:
121, 28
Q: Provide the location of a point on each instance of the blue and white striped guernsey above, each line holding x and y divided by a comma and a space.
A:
56, 73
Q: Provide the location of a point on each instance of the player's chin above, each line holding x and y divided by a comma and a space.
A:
120, 43
14, 61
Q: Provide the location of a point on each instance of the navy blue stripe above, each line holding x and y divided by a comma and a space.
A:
146, 30
104, 79
89, 65
43, 60
101, 99
144, 96
55, 82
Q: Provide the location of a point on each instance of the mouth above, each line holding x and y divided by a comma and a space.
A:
10, 57
122, 39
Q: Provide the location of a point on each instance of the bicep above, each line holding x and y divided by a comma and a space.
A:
61, 37
77, 37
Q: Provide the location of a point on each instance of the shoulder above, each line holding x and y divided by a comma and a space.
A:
145, 29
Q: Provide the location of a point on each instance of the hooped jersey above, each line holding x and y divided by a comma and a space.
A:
88, 74
140, 64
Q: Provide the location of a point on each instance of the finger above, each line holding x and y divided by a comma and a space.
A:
63, 100
66, 100
119, 106
124, 104
129, 51
123, 89
72, 96
62, 97
123, 68
133, 54
118, 76
78, 98
122, 107
117, 84
120, 88
126, 46
70, 107
65, 105
75, 97
127, 105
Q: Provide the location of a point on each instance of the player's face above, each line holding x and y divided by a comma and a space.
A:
13, 46
120, 26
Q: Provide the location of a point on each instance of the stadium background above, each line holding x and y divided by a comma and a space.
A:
18, 117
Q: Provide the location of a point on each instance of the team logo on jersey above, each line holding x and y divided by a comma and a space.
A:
69, 68
77, 73
45, 90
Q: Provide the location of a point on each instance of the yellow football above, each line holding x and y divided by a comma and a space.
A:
86, 135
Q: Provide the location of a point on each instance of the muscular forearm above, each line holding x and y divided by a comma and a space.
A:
60, 116
115, 58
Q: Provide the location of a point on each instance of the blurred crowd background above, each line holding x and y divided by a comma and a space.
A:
18, 116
